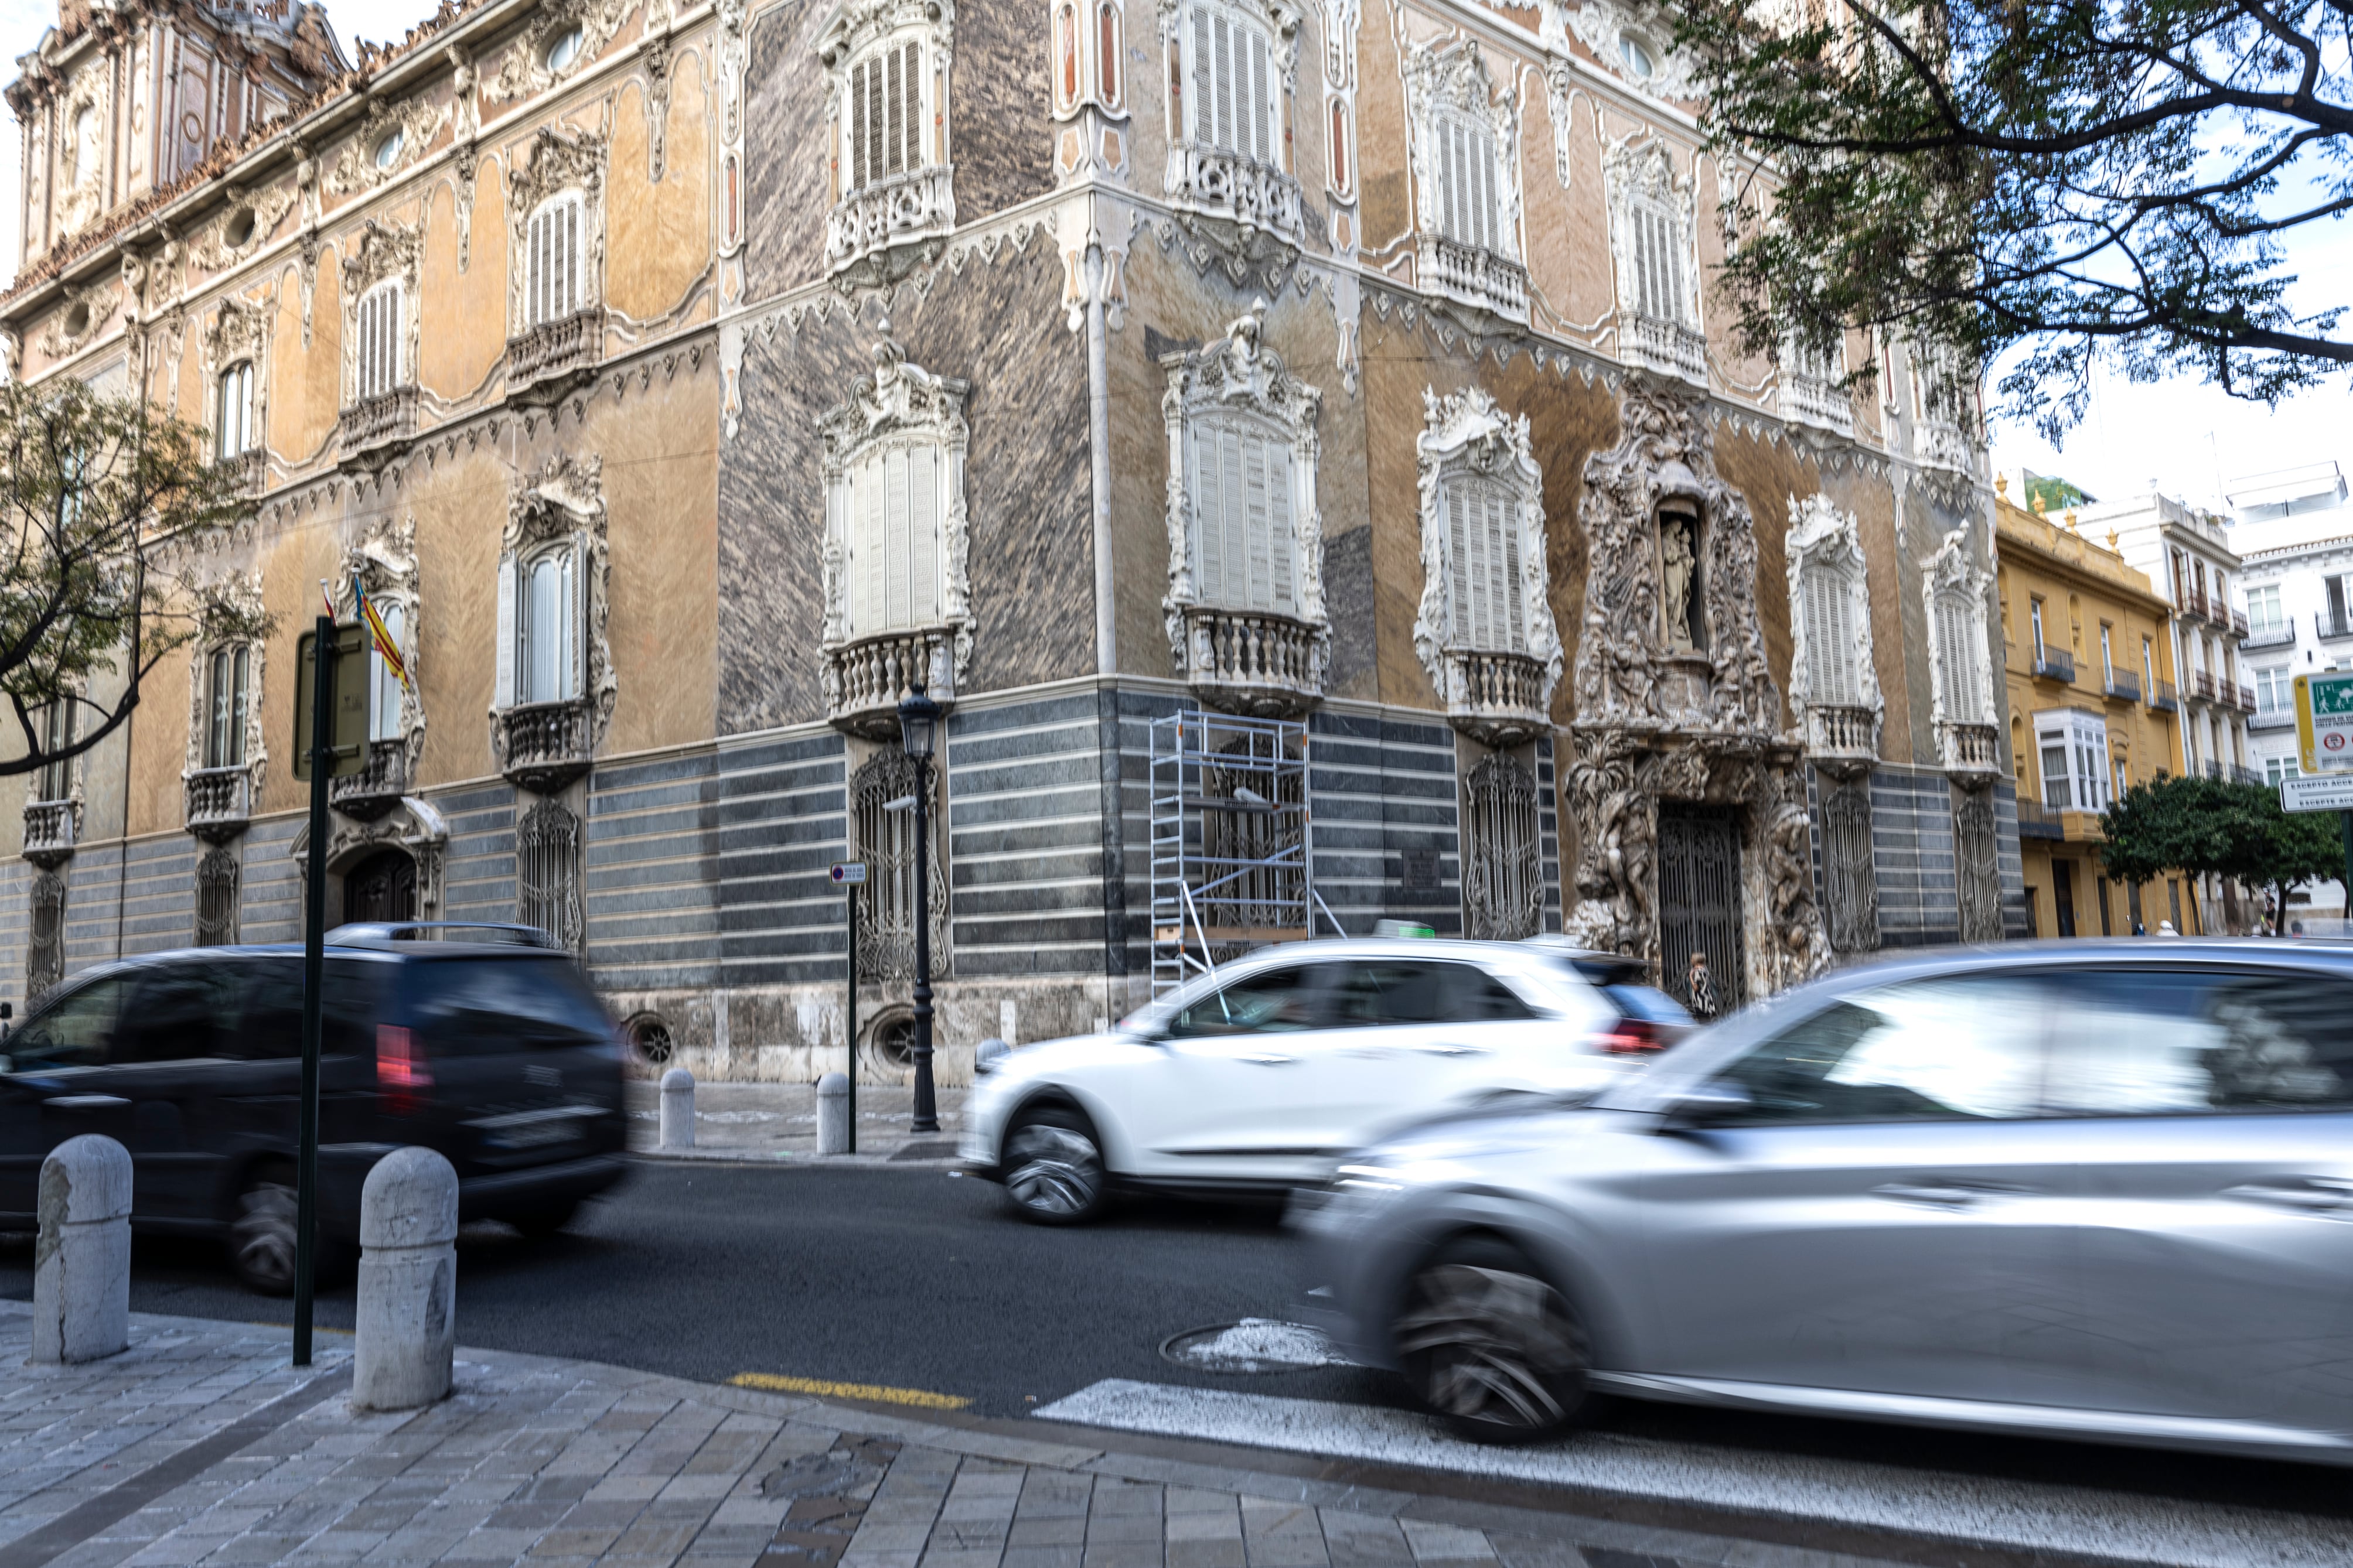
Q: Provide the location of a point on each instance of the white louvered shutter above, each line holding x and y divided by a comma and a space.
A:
1283, 569
505, 662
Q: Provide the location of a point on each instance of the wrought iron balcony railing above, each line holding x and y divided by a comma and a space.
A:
1669, 347
1497, 698
2163, 699
908, 209
1473, 275
1254, 662
2239, 622
561, 350
2202, 685
219, 802
377, 787
50, 829
2036, 820
543, 746
2055, 664
2277, 719
2124, 684
2275, 634
864, 679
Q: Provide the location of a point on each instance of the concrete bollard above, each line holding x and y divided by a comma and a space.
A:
833, 1114
407, 1325
678, 1109
82, 1265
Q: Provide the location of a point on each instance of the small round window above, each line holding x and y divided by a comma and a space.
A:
239, 231
564, 49
651, 1038
1637, 59
76, 320
388, 149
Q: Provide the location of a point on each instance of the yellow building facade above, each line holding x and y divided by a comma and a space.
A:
2089, 681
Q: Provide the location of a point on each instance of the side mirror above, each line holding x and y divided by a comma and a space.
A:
987, 1054
1702, 1104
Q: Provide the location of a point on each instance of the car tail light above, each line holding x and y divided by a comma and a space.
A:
401, 1074
1632, 1037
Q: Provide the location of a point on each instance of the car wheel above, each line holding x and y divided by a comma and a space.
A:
1488, 1343
262, 1234
1054, 1167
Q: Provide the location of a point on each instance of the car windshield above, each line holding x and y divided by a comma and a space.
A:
487, 1005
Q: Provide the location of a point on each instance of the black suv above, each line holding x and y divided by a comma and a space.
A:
478, 1041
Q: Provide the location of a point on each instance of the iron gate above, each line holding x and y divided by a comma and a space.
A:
1699, 901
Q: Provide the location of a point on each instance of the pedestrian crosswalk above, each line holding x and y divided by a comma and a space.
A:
2029, 1515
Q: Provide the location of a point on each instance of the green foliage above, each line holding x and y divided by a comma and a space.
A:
2203, 826
2098, 179
102, 505
2045, 493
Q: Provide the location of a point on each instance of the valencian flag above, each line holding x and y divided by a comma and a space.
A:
386, 648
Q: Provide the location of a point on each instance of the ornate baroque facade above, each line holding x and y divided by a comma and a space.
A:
692, 378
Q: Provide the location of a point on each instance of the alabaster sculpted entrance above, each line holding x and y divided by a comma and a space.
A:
1686, 799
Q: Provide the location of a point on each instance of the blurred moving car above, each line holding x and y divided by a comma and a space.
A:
1265, 1073
477, 1041
2080, 1189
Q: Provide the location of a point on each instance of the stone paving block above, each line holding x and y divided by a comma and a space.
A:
1051, 1530
1109, 1527
1434, 1543
1364, 1540
1057, 1556
1126, 1497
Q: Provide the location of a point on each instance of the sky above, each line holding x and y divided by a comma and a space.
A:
2183, 437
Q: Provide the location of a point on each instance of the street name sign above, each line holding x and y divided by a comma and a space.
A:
849, 873
2317, 795
2323, 723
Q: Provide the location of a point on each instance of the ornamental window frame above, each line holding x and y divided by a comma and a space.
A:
1090, 56
1235, 390
1453, 102
1829, 580
899, 411
1469, 443
865, 34
1189, 27
556, 515
384, 560
1503, 850
238, 334
238, 597
1954, 590
1653, 234
383, 265
553, 169
233, 411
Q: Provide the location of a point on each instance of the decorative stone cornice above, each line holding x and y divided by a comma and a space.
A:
418, 121
525, 70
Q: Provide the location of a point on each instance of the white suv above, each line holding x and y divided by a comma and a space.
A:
1266, 1073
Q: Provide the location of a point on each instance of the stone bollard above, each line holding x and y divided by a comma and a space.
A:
82, 1265
833, 1114
678, 1109
408, 1282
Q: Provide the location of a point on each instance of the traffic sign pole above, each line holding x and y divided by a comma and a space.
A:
850, 876
314, 929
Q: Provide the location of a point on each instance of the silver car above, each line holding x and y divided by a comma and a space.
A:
2098, 1190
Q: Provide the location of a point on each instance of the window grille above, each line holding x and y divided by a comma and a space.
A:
55, 780
885, 123
551, 262
1659, 264
1832, 635
1959, 681
1977, 849
379, 341
547, 872
1482, 537
1502, 869
45, 948
233, 420
1239, 843
1244, 549
1230, 65
383, 687
885, 840
1847, 867
229, 695
1469, 210
218, 878
896, 498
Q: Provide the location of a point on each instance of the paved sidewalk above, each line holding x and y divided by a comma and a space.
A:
778, 1121
199, 1446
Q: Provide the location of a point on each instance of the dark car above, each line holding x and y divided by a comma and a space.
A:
478, 1042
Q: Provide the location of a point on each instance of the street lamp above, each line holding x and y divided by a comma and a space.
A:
919, 728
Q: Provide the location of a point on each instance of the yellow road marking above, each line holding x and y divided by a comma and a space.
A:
824, 1388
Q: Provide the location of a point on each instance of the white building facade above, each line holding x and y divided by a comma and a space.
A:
2188, 554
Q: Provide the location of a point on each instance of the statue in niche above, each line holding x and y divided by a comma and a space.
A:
1679, 577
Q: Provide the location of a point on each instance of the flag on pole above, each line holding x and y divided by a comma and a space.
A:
327, 599
387, 647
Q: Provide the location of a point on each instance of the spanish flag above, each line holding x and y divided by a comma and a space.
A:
387, 648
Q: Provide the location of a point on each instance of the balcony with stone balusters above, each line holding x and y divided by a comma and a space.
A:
876, 234
376, 430
551, 359
1842, 732
1496, 698
1970, 752
543, 746
1254, 662
1473, 276
377, 787
1671, 348
219, 802
1817, 401
1254, 197
52, 829
864, 679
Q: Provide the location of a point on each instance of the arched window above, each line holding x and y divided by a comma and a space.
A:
218, 875
383, 687
85, 146
1229, 81
885, 840
1833, 676
1469, 179
1658, 242
233, 423
882, 130
1482, 535
547, 629
551, 273
1960, 681
1107, 47
1245, 553
379, 328
229, 695
56, 723
1066, 53
45, 943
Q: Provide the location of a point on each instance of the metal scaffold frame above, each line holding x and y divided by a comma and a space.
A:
1233, 862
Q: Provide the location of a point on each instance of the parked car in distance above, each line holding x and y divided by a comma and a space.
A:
479, 1042
2084, 1189
1263, 1075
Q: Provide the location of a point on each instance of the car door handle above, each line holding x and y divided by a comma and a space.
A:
1946, 1195
2302, 1195
88, 1101
1270, 1060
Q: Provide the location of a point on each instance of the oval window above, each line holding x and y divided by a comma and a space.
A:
238, 232
564, 49
1637, 59
76, 320
387, 151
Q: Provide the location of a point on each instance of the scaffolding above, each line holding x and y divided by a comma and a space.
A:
1232, 841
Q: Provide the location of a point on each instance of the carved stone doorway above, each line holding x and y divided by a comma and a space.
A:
1700, 893
380, 888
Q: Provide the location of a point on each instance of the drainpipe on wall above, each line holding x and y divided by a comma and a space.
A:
1099, 442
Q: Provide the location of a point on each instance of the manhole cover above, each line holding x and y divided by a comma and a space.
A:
1252, 1345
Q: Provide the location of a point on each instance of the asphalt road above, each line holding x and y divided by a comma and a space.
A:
917, 1280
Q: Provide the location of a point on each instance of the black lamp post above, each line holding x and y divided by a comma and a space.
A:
919, 728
